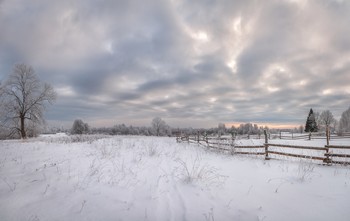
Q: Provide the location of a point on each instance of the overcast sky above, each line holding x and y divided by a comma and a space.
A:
192, 63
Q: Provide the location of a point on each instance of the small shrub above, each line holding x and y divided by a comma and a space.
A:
305, 171
195, 171
152, 151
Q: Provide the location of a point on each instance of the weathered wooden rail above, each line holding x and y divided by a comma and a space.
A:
314, 136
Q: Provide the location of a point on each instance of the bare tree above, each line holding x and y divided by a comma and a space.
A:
344, 122
334, 126
301, 129
158, 125
23, 99
326, 118
221, 129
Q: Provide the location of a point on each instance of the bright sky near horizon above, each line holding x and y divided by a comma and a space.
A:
192, 63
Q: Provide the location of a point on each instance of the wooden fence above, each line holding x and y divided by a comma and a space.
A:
224, 144
327, 154
330, 155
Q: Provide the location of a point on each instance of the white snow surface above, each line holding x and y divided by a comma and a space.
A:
150, 178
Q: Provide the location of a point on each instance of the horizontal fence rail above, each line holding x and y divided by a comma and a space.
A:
337, 155
314, 136
337, 147
297, 155
296, 147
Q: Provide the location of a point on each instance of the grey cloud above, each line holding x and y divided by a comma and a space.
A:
128, 60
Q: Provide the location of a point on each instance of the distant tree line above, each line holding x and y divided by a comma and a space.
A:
160, 128
316, 122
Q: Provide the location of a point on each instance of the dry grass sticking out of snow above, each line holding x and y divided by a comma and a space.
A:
150, 178
193, 170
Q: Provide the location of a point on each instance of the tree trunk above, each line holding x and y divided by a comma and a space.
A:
23, 131
327, 134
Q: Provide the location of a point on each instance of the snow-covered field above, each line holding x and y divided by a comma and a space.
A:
149, 178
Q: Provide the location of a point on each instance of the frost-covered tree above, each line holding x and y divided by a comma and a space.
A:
301, 129
23, 100
233, 130
334, 125
255, 129
317, 119
168, 130
159, 126
344, 122
221, 129
311, 125
249, 128
79, 127
326, 119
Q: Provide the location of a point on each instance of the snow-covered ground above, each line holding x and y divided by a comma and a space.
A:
149, 178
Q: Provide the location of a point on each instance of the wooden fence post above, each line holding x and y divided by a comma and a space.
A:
205, 138
266, 146
309, 135
233, 140
327, 160
327, 135
280, 135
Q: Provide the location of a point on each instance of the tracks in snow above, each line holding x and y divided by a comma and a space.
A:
170, 202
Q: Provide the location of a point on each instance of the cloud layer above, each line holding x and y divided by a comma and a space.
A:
193, 63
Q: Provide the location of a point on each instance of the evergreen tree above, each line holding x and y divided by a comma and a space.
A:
311, 125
